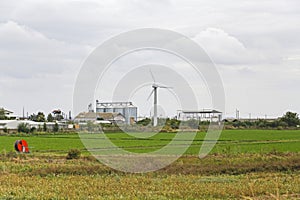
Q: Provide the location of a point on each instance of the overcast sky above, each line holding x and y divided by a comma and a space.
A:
254, 44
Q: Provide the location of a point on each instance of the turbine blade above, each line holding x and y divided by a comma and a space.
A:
152, 75
150, 95
162, 86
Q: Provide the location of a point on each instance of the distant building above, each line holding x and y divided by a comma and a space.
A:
12, 125
127, 109
95, 116
201, 115
9, 114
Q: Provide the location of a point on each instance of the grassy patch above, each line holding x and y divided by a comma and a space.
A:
250, 176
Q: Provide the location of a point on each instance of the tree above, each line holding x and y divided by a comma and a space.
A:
50, 118
58, 117
40, 117
291, 119
44, 127
39, 128
2, 114
55, 128
174, 123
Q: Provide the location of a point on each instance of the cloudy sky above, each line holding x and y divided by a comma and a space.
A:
255, 46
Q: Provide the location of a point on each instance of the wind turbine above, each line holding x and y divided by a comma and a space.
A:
154, 91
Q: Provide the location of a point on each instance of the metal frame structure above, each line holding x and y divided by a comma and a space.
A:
201, 115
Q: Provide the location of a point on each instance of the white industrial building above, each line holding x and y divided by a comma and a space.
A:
12, 125
127, 109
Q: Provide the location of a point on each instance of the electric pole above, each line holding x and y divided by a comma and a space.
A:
237, 114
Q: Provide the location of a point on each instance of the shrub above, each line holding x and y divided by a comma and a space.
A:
33, 129
55, 128
291, 119
45, 127
5, 130
10, 154
144, 122
23, 128
73, 154
193, 123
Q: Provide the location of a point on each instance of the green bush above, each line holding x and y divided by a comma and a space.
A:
55, 128
5, 130
73, 154
23, 128
144, 122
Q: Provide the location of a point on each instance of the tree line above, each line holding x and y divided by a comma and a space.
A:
51, 117
289, 120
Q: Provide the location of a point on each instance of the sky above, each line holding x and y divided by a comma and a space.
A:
255, 46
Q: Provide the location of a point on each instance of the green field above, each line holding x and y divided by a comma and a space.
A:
244, 164
231, 141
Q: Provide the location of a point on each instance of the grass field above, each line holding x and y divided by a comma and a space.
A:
245, 164
231, 141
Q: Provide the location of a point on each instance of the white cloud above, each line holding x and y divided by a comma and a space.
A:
36, 71
25, 53
226, 49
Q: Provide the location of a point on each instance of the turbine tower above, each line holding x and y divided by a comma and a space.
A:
154, 91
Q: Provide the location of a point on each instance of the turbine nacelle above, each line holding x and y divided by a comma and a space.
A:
159, 86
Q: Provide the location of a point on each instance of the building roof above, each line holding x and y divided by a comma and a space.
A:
7, 112
94, 116
107, 116
200, 111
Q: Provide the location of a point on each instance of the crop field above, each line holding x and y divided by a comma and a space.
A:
244, 164
230, 141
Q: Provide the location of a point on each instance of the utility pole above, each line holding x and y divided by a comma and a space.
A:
249, 116
23, 113
237, 114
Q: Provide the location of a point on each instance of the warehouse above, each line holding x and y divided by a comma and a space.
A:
104, 117
12, 125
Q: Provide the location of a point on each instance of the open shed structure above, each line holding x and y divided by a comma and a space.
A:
201, 115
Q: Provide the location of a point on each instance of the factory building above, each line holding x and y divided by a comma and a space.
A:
127, 109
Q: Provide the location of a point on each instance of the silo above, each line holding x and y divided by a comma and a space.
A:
109, 108
127, 109
130, 112
119, 109
100, 108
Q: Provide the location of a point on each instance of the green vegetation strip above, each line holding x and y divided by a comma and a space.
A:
231, 142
